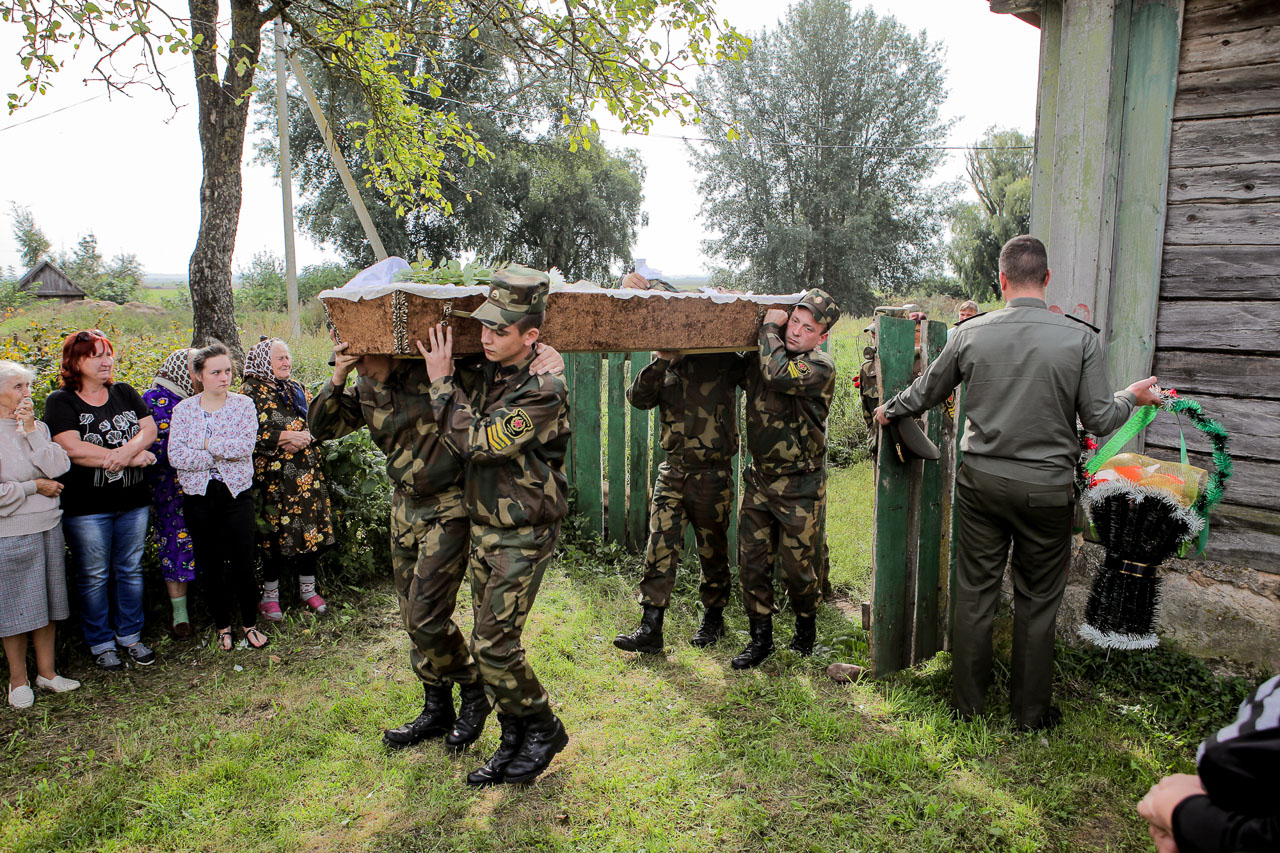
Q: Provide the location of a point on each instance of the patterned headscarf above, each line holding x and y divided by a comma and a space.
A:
175, 375
257, 363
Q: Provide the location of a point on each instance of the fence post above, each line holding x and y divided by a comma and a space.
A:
616, 380
890, 647
570, 361
586, 463
638, 493
934, 481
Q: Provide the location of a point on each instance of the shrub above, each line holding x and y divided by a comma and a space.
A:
356, 473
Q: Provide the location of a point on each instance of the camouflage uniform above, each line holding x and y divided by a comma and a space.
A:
694, 396
429, 529
784, 489
512, 430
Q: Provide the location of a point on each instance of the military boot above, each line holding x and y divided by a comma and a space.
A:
490, 773
711, 629
806, 634
544, 737
647, 639
761, 645
435, 720
472, 712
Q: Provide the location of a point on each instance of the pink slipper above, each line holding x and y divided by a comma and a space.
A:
317, 604
270, 610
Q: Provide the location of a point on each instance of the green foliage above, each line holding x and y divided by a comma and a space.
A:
356, 473
819, 171
32, 242
1000, 173
11, 297
117, 281
262, 284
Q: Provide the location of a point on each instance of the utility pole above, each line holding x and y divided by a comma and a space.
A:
286, 185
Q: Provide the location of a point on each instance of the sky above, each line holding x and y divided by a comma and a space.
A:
128, 168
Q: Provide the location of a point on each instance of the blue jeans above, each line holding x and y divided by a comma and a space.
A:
106, 550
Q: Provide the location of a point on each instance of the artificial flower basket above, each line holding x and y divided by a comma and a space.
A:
1144, 510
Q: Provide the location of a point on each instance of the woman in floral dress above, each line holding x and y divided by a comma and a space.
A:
295, 524
173, 384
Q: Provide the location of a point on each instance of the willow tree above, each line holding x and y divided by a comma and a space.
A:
625, 55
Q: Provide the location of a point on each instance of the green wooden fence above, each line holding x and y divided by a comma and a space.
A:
913, 523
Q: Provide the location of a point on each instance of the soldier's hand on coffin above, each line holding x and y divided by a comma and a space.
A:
880, 416
439, 357
776, 316
635, 281
547, 359
343, 364
1146, 391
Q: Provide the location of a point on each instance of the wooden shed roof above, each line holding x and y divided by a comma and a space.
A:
53, 281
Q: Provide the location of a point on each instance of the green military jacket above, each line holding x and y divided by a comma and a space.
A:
401, 421
787, 401
512, 430
694, 396
1028, 374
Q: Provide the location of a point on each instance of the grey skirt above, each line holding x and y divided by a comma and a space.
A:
33, 581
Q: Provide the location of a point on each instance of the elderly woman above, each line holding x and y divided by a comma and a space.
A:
106, 428
289, 477
211, 438
33, 584
174, 382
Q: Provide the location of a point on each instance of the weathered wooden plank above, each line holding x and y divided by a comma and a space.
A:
1219, 373
1219, 141
1245, 536
1230, 224
619, 412
1252, 46
1220, 272
1254, 426
1186, 287
1142, 192
1246, 91
586, 464
926, 642
1248, 327
1212, 17
890, 625
1247, 182
1252, 483
638, 467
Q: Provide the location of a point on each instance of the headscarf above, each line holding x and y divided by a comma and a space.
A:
257, 363
175, 373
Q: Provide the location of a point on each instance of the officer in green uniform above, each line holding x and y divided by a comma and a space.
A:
1028, 373
512, 431
694, 396
789, 385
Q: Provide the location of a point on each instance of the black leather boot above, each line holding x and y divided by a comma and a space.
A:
508, 745
711, 629
761, 645
544, 737
435, 720
472, 712
647, 639
806, 634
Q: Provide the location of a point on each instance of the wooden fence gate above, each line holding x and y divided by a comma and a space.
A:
913, 562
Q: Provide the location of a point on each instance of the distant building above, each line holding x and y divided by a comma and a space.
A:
50, 283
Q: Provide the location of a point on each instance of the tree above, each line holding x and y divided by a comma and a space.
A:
620, 53
826, 185
999, 169
32, 242
116, 282
534, 200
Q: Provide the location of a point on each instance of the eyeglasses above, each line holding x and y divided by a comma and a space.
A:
90, 334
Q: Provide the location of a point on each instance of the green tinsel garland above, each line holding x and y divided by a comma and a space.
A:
1217, 433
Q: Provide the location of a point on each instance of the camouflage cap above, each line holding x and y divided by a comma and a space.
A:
822, 306
514, 292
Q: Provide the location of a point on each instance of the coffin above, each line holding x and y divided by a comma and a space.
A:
388, 319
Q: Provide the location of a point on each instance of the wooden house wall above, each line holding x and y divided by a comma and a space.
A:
1218, 323
47, 281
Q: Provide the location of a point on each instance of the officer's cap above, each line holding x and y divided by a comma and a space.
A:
822, 306
514, 292
909, 440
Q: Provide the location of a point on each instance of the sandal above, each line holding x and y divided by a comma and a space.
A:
225, 640
255, 638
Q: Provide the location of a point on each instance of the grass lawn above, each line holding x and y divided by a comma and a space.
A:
279, 750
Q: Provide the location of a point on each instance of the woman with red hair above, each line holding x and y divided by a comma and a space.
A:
106, 428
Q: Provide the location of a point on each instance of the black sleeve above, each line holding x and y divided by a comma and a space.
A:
1199, 826
131, 399
60, 414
